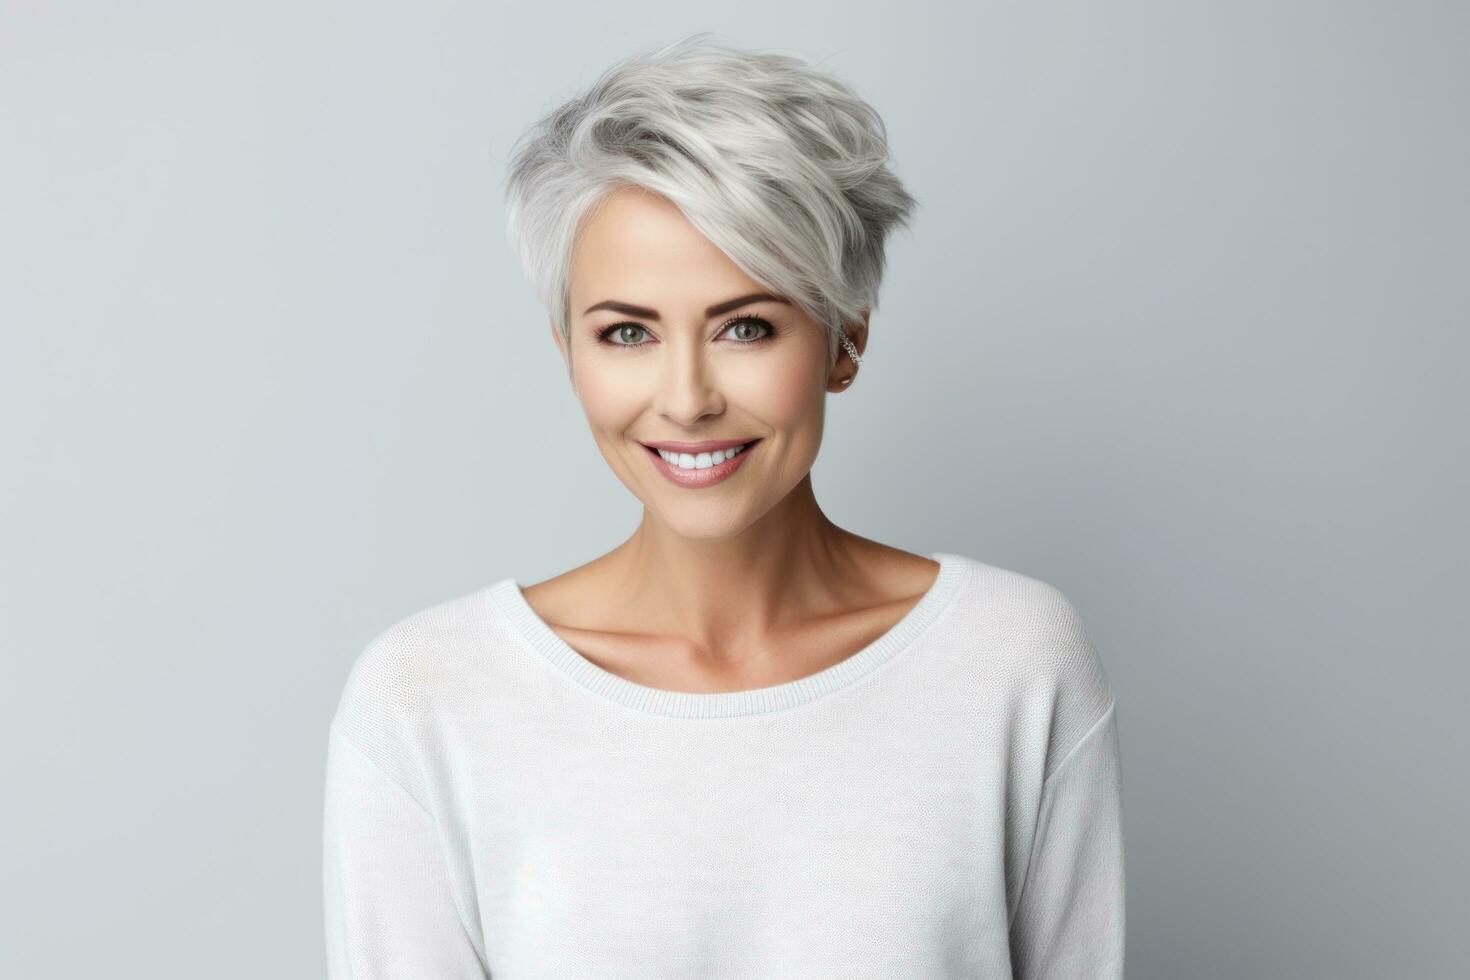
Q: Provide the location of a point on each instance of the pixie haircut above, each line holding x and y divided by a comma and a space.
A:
783, 167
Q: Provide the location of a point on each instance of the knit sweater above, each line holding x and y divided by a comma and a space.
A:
943, 803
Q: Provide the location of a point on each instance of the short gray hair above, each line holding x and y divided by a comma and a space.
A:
783, 167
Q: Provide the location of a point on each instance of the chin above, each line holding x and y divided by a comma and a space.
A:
714, 521
692, 528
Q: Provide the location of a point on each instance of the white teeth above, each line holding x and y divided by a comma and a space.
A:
687, 461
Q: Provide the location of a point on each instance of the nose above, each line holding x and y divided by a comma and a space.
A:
688, 388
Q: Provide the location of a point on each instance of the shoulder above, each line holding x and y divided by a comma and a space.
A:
1025, 620
403, 673
1030, 639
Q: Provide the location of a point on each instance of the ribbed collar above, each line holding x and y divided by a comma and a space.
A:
506, 597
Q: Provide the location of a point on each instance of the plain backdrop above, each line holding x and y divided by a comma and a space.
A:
1180, 328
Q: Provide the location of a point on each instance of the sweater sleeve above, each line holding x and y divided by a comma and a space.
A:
390, 912
1069, 919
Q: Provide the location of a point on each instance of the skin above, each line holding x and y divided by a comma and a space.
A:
744, 584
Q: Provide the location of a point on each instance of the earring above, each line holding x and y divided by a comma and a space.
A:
852, 353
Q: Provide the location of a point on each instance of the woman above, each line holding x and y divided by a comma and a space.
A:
746, 742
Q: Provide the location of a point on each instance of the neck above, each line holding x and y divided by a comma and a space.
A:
728, 592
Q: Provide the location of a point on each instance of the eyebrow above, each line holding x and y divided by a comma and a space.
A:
642, 311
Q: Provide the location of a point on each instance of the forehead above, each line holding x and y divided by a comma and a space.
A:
639, 247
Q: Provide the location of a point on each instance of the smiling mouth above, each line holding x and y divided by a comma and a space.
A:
700, 461
700, 470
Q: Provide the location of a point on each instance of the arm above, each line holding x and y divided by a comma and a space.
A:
1068, 921
390, 912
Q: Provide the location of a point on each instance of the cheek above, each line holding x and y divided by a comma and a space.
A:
786, 393
611, 401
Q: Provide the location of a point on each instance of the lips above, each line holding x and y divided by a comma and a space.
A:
695, 448
699, 478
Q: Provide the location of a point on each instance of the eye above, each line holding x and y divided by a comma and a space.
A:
748, 329
739, 324
621, 330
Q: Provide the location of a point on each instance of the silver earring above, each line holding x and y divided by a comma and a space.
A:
851, 350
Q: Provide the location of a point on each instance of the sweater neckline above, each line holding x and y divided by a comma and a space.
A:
507, 596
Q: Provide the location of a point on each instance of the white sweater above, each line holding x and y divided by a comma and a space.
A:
945, 803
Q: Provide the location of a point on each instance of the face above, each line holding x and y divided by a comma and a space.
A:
667, 345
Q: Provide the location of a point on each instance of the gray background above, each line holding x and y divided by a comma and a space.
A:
1179, 329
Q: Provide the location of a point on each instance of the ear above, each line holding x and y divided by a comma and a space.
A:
844, 371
